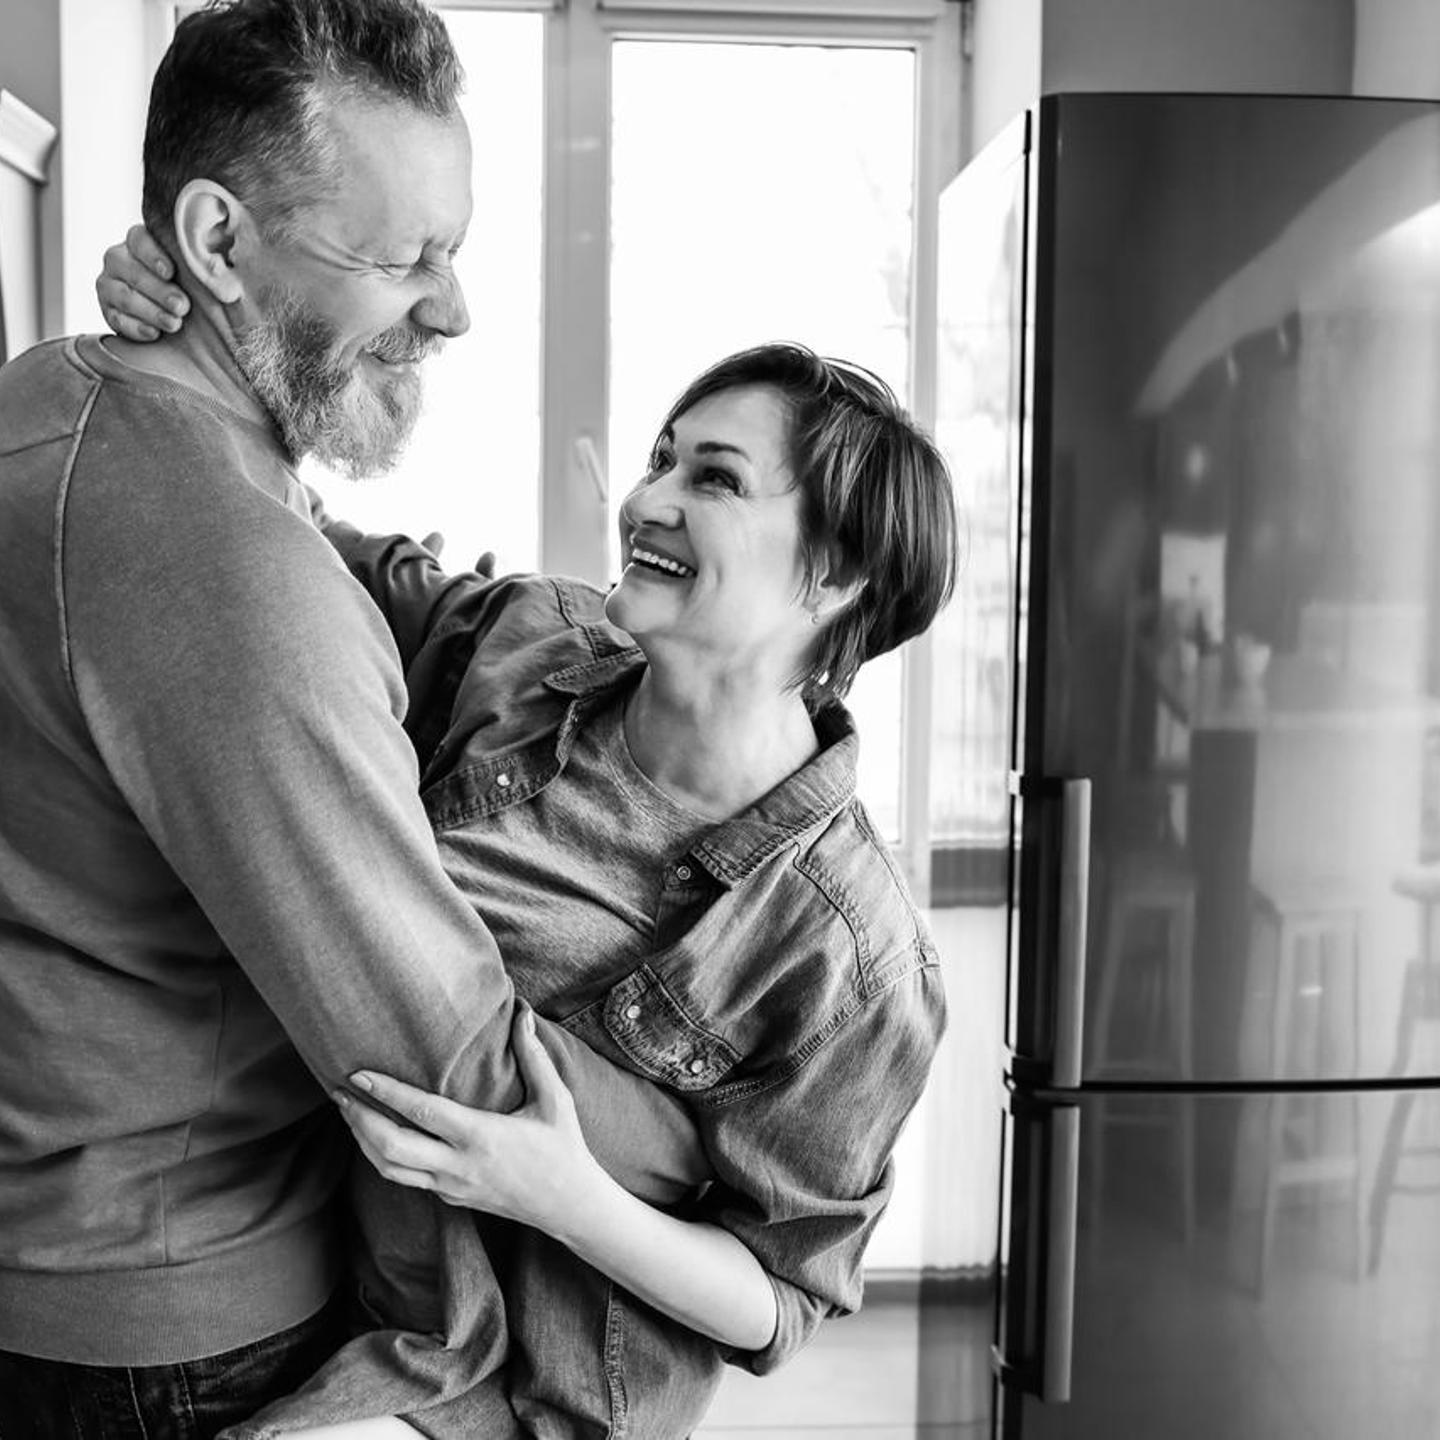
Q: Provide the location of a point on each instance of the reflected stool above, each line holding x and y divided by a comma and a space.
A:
1419, 1007
1317, 975
1142, 1026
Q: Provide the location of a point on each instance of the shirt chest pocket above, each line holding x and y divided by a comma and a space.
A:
659, 1038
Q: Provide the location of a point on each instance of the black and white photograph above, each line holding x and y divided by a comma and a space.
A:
719, 719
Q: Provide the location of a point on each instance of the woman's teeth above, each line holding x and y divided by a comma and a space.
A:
653, 561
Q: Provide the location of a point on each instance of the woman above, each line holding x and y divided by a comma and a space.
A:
650, 793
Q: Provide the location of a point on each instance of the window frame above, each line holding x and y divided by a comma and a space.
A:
574, 385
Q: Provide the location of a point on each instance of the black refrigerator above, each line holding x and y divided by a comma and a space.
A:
1193, 343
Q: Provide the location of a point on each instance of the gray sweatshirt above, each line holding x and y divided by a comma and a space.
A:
218, 886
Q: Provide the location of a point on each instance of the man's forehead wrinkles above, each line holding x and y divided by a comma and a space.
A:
405, 184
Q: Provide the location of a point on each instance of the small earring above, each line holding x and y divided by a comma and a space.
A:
815, 617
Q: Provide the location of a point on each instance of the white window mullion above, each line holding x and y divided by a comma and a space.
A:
574, 505
937, 144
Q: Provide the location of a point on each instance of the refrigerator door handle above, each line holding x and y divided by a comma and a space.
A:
1034, 1343
1068, 1053
1060, 1242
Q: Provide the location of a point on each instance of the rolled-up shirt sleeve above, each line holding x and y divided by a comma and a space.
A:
804, 1161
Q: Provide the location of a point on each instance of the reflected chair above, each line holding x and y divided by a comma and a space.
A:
1141, 1027
1314, 1034
1419, 1009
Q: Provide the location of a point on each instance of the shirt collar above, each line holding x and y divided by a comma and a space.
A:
808, 798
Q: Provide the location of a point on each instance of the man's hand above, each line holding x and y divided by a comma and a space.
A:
135, 291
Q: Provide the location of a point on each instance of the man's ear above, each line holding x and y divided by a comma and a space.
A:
209, 222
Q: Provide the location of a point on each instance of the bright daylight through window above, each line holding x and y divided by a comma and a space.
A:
758, 191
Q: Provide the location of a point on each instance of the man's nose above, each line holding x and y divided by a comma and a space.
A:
442, 309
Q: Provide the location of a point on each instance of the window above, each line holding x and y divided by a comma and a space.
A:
739, 171
790, 216
472, 470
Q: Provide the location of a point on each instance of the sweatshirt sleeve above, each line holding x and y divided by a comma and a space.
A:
246, 700
415, 598
414, 592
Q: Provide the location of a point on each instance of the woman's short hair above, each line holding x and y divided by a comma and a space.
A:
239, 96
877, 504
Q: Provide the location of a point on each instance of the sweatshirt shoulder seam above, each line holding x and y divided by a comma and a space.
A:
62, 495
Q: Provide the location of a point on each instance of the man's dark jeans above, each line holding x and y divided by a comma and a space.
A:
54, 1400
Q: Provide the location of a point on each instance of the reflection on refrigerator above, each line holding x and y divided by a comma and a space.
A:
1194, 343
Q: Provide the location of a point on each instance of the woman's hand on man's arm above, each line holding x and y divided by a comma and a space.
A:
533, 1166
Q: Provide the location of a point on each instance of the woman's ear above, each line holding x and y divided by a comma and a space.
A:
209, 220
830, 596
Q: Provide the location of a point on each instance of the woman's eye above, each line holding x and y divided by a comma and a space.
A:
660, 462
722, 478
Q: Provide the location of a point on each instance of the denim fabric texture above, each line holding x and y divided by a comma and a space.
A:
194, 1400
791, 994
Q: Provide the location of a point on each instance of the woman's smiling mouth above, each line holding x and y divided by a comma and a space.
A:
652, 560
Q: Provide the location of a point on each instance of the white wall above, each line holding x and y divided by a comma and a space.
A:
105, 69
30, 53
1263, 46
1397, 48
85, 66
1026, 48
1005, 71
30, 69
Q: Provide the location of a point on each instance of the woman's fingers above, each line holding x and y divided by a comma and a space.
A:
136, 301
398, 1174
140, 243
411, 1158
426, 1111
544, 1089
121, 266
129, 313
388, 1143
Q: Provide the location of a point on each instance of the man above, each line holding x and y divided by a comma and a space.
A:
217, 883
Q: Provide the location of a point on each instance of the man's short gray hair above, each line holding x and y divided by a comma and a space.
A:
239, 96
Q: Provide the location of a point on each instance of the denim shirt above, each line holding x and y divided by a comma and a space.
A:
792, 996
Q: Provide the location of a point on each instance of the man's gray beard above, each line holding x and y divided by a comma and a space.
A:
321, 408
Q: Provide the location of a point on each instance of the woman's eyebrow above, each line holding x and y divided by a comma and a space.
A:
711, 447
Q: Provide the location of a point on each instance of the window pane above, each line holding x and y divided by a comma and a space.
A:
760, 192
979, 412
472, 470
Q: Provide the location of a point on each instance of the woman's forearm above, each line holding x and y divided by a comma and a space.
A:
533, 1166
696, 1273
